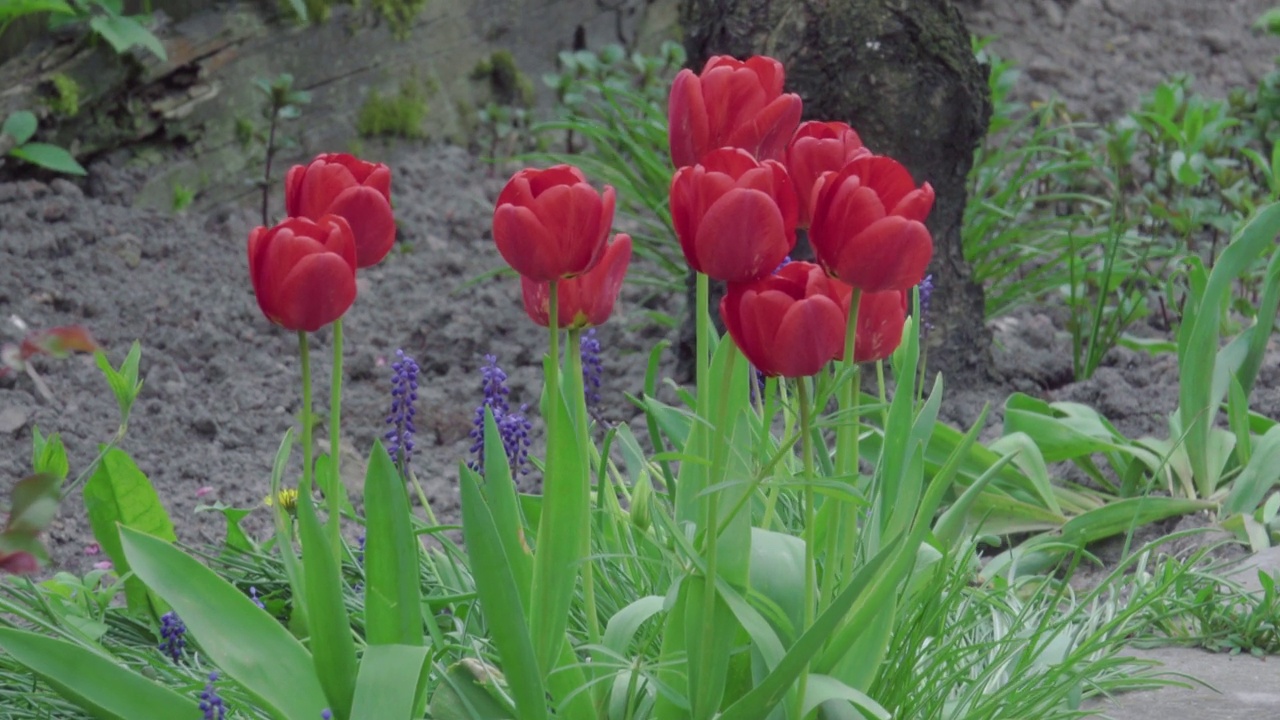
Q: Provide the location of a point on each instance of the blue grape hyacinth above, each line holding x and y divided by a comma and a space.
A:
513, 426
173, 635
404, 393
210, 703
592, 370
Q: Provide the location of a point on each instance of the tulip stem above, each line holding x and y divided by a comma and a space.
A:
810, 529
582, 421
847, 440
304, 492
335, 492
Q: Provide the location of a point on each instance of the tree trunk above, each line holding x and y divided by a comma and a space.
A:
903, 74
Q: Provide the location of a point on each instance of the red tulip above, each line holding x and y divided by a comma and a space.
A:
586, 300
304, 273
550, 224
788, 323
731, 104
867, 227
735, 217
819, 147
359, 191
881, 316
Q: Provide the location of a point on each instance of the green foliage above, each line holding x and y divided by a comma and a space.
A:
183, 196
398, 115
399, 14
21, 126
65, 100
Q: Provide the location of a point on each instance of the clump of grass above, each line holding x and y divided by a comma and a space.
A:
65, 100
397, 115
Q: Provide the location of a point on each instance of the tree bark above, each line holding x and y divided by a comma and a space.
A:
903, 74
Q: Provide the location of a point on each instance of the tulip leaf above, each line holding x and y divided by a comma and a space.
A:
390, 681
240, 638
332, 648
393, 594
95, 682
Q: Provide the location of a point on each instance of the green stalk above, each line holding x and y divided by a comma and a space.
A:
553, 326
336, 489
847, 440
304, 492
580, 409
810, 532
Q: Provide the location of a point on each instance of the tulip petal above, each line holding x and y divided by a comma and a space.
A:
769, 73
571, 215
881, 317
809, 333
293, 190
916, 205
315, 292
891, 254
733, 97
761, 315
321, 183
601, 286
524, 243
688, 133
886, 176
373, 226
742, 237
537, 300
767, 133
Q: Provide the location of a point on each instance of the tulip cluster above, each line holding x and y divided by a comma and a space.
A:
749, 175
339, 219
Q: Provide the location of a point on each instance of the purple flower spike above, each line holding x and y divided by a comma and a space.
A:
173, 632
926, 293
514, 427
592, 369
404, 393
210, 703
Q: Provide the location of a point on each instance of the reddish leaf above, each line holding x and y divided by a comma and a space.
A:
19, 563
58, 342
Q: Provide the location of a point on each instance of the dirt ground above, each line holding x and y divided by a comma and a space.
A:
221, 384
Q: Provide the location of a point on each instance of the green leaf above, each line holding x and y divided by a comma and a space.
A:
241, 639
17, 8
124, 382
824, 688
236, 538
562, 543
96, 683
332, 648
500, 600
48, 156
464, 694
20, 126
621, 628
124, 32
393, 594
48, 454
1251, 486
120, 495
391, 676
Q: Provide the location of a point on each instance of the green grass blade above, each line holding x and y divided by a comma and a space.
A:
242, 640
392, 593
332, 648
98, 684
503, 500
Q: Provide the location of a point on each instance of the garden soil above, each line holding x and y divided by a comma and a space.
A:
221, 383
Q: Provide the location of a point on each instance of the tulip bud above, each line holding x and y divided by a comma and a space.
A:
358, 191
550, 224
303, 272
868, 227
735, 217
817, 148
731, 103
583, 301
789, 323
641, 500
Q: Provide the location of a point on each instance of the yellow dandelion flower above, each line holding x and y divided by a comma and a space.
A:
288, 499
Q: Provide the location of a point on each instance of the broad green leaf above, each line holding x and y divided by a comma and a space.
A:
392, 593
463, 694
124, 32
119, 495
48, 156
777, 573
332, 648
503, 500
1252, 485
621, 628
20, 126
391, 676
33, 502
500, 600
96, 683
241, 639
562, 533
824, 688
1121, 516
18, 8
